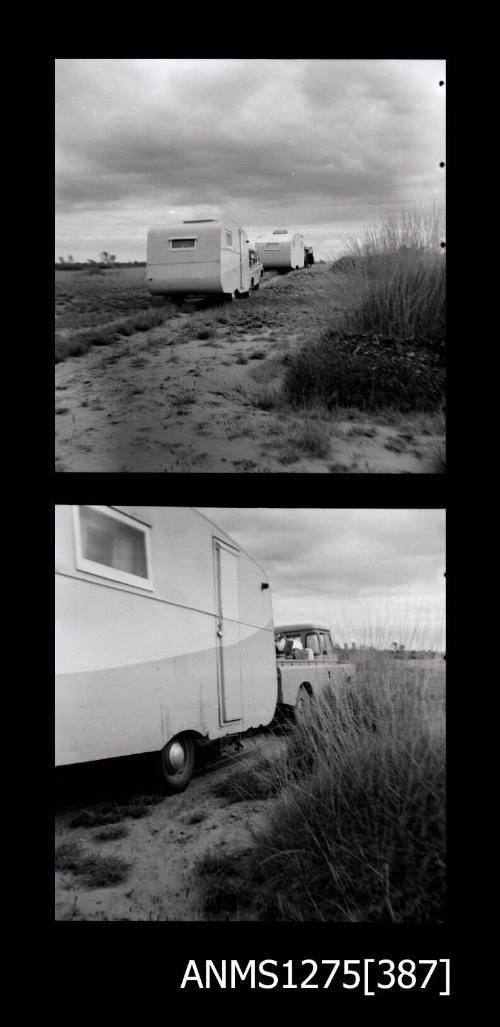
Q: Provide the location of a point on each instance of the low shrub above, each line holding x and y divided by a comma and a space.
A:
359, 835
355, 830
95, 870
365, 371
113, 812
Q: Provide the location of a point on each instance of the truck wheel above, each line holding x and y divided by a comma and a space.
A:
176, 764
303, 702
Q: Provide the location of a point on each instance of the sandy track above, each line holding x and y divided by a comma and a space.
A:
162, 850
170, 402
199, 392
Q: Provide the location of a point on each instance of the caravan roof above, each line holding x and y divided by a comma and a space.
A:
278, 235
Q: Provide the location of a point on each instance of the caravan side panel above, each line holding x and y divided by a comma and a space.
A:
138, 664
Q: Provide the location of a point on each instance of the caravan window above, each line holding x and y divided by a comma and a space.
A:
182, 244
272, 245
229, 238
112, 545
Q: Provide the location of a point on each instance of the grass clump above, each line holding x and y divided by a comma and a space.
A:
114, 812
111, 833
267, 398
367, 372
96, 871
355, 830
76, 342
385, 345
360, 835
260, 780
310, 438
396, 275
226, 879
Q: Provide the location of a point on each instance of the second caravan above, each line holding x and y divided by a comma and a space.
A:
281, 250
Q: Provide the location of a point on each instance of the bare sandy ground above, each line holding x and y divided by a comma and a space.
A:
171, 401
162, 850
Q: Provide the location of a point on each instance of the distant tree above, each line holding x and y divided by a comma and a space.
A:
107, 258
70, 259
61, 260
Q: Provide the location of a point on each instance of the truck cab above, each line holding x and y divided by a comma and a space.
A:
308, 660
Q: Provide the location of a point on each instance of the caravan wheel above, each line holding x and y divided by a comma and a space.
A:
177, 763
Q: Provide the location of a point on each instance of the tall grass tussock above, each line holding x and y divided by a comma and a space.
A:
356, 832
386, 347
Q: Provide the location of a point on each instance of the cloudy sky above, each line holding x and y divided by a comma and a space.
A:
370, 575
320, 146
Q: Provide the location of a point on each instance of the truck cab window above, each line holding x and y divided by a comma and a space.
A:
328, 646
313, 642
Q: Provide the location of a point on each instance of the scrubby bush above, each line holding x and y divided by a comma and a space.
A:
355, 824
387, 344
366, 372
359, 835
95, 871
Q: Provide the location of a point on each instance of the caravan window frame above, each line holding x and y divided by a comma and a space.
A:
104, 570
183, 239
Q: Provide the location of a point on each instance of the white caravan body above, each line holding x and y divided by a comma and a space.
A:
163, 626
281, 249
198, 258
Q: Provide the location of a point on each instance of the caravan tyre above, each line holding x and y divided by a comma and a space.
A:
176, 764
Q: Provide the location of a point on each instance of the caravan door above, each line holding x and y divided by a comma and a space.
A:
228, 632
243, 284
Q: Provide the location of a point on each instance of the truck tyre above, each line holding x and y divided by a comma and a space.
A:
302, 703
176, 764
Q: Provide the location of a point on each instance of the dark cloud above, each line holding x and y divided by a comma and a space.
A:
268, 136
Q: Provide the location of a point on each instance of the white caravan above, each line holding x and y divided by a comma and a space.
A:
204, 257
281, 250
164, 635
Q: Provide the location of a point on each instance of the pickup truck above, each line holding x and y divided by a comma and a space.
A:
256, 270
307, 661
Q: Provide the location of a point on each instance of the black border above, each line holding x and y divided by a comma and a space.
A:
140, 972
